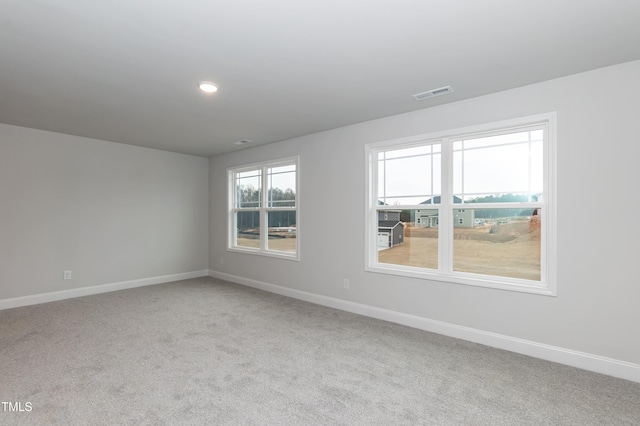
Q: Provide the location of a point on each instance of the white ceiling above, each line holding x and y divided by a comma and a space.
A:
126, 71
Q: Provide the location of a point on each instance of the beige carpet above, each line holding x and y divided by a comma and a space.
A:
207, 352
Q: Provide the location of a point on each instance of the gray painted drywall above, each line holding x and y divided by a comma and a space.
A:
108, 212
596, 308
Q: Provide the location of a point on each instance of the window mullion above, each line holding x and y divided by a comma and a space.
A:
445, 231
384, 179
231, 200
377, 167
529, 171
233, 231
264, 197
462, 170
431, 155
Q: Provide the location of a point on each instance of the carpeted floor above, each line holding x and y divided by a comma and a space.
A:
207, 352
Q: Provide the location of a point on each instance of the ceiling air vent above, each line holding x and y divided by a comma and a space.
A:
432, 93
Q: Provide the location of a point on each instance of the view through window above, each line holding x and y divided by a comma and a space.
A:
264, 208
469, 208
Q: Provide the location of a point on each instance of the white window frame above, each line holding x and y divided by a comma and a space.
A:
263, 209
445, 273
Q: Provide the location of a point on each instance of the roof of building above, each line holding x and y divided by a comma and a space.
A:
388, 223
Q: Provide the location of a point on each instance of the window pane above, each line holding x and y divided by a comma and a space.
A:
407, 152
409, 176
537, 167
499, 242
381, 180
508, 138
248, 188
282, 231
282, 186
537, 135
248, 229
494, 170
498, 165
408, 237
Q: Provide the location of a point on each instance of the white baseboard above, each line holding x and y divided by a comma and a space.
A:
585, 361
103, 288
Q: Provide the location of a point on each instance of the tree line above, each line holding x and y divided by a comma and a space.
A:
249, 196
405, 215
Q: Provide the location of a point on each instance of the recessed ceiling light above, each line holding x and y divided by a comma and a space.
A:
207, 86
242, 142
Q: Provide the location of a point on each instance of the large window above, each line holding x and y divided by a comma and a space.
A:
263, 208
473, 206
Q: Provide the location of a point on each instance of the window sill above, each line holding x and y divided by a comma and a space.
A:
270, 253
499, 283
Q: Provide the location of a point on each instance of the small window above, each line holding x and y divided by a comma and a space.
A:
263, 208
503, 174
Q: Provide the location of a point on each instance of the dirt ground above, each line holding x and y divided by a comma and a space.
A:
279, 241
509, 250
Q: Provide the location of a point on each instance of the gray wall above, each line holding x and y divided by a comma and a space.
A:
109, 212
596, 309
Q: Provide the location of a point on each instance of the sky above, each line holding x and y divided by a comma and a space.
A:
494, 165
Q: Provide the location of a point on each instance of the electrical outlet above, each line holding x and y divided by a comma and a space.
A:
66, 275
222, 260
345, 284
